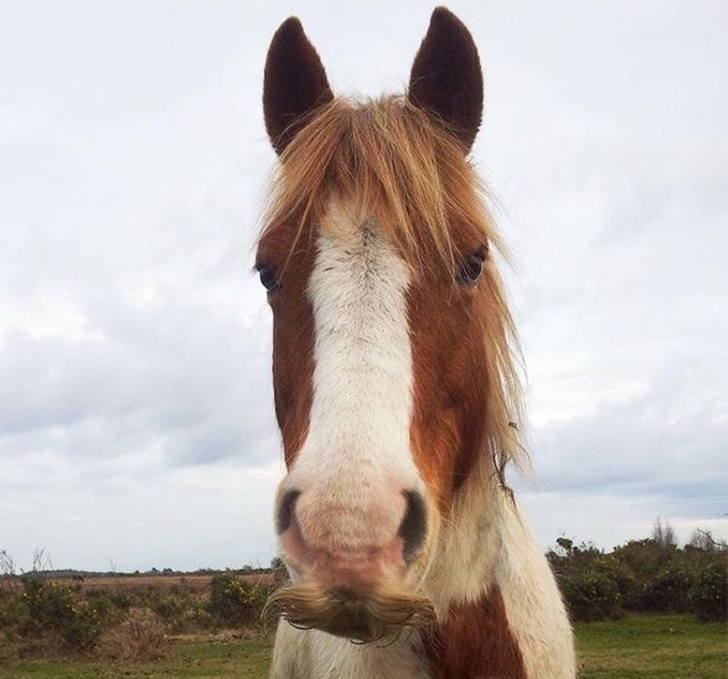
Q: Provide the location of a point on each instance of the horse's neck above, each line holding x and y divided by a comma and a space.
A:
470, 546
494, 591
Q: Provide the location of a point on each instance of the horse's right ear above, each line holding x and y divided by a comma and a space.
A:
446, 80
294, 84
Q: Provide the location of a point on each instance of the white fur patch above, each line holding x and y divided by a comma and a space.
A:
469, 545
356, 459
533, 604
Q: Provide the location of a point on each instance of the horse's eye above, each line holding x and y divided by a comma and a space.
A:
268, 277
472, 266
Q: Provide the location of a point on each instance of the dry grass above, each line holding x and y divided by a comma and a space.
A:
140, 636
142, 584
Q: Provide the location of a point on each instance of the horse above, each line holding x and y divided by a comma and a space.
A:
396, 384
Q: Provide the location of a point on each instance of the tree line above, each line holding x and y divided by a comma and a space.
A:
653, 575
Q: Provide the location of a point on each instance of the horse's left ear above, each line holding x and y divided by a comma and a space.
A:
446, 80
294, 83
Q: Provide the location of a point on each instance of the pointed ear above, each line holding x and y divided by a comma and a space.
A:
446, 80
294, 83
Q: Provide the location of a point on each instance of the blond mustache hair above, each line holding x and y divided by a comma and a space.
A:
363, 617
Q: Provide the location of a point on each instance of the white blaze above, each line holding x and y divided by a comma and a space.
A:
356, 459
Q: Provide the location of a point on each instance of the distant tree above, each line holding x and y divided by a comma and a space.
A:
704, 540
7, 563
664, 534
565, 544
41, 560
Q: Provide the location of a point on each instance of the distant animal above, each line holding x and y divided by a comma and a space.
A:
396, 389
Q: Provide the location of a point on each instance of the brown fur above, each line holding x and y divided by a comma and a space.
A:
448, 430
293, 335
362, 617
475, 642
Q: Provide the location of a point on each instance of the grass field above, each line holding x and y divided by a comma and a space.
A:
646, 647
230, 659
652, 647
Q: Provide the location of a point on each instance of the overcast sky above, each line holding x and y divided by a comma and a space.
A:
136, 424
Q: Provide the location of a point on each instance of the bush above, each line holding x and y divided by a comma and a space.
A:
594, 595
180, 612
234, 602
13, 611
644, 559
53, 610
668, 591
709, 594
592, 583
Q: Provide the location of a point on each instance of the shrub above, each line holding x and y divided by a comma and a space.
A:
234, 602
53, 610
593, 584
644, 558
594, 595
13, 611
668, 590
709, 594
179, 612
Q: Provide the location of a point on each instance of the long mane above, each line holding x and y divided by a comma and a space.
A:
409, 175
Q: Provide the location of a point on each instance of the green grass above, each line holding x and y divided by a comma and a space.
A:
652, 647
231, 659
643, 647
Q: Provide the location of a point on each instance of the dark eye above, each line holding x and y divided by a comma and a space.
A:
472, 266
268, 277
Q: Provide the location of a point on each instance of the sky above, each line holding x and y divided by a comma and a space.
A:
136, 419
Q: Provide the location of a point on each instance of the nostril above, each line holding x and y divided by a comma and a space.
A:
413, 528
285, 510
